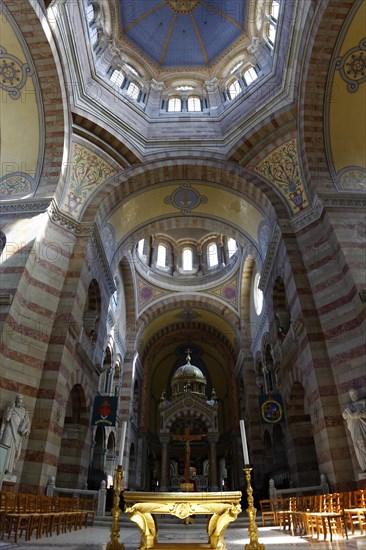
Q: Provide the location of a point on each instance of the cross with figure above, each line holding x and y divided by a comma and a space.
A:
187, 438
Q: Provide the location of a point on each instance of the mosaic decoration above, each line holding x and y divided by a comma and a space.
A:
88, 171
271, 407
147, 292
352, 66
353, 178
185, 198
183, 6
188, 315
228, 291
13, 73
281, 168
17, 184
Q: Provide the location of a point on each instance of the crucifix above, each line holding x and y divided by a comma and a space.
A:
187, 438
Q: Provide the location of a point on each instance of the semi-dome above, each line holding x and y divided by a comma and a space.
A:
188, 378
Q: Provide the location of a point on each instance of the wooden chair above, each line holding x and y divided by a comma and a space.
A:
268, 511
88, 507
18, 519
355, 511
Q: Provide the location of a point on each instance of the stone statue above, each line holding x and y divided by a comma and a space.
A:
15, 426
355, 417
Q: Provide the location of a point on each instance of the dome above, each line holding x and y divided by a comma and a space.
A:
188, 378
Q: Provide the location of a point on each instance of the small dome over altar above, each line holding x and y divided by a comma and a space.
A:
188, 378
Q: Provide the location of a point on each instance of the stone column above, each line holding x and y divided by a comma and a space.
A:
165, 482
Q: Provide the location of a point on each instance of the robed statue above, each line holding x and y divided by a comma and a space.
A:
355, 417
14, 427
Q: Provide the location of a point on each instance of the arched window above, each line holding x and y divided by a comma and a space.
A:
161, 256
133, 90
174, 105
275, 8
258, 295
187, 259
231, 247
272, 29
93, 33
212, 256
141, 247
117, 77
250, 75
194, 104
184, 88
236, 67
234, 89
132, 69
90, 14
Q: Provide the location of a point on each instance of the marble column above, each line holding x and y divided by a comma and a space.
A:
165, 481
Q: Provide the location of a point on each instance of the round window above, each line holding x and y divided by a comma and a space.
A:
258, 295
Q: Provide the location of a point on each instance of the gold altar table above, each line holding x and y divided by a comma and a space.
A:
222, 507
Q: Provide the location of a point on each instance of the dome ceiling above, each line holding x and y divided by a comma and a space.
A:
183, 33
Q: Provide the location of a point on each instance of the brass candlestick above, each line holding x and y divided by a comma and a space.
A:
114, 544
251, 511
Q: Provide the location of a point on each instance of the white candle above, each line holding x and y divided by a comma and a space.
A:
122, 442
244, 442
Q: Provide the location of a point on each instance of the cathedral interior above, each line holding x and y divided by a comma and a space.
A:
183, 234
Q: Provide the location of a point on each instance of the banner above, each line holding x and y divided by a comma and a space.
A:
271, 408
105, 410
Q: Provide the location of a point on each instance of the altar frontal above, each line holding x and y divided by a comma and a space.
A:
222, 507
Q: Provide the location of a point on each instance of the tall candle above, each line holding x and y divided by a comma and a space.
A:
244, 442
122, 442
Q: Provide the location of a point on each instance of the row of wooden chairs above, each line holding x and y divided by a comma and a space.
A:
43, 515
318, 515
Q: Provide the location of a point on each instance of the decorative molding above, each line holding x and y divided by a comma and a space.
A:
342, 201
63, 220
312, 214
102, 259
24, 206
270, 257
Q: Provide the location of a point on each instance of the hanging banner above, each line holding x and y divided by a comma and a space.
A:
104, 410
271, 408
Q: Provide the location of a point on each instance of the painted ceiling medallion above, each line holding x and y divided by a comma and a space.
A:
185, 198
183, 6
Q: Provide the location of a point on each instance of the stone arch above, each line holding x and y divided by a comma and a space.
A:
55, 126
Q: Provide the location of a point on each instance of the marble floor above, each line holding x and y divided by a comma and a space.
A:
236, 536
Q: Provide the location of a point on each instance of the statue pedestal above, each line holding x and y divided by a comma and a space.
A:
9, 482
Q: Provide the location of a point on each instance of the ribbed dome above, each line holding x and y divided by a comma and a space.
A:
188, 378
189, 372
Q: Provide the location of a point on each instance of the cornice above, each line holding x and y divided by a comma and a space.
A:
343, 201
63, 220
25, 206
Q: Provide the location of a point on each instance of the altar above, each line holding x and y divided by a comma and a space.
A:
221, 508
